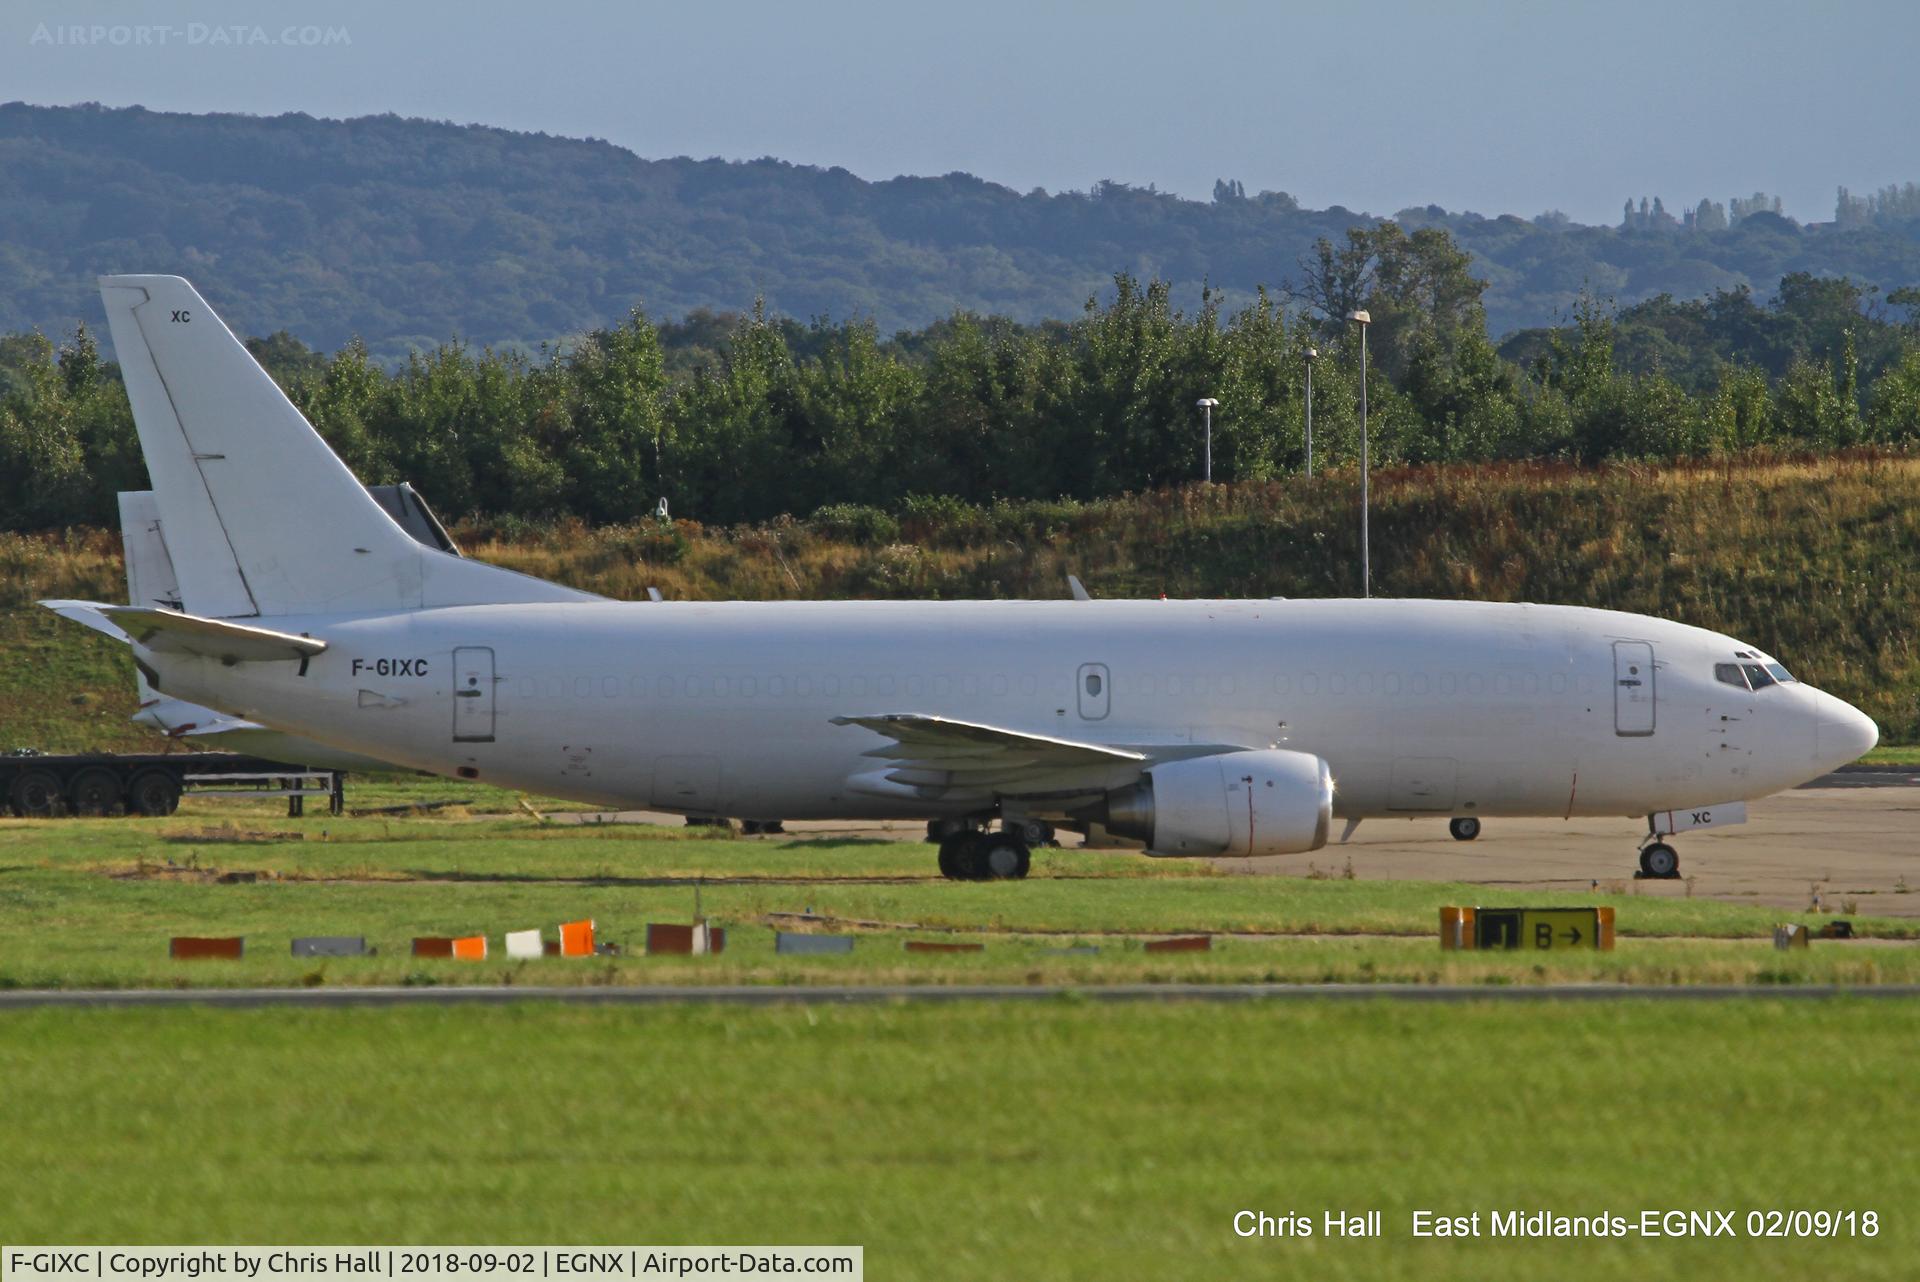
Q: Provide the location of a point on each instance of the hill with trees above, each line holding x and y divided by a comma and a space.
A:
407, 233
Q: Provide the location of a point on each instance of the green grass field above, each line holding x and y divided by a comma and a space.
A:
1063, 1140
1895, 755
1059, 1139
92, 903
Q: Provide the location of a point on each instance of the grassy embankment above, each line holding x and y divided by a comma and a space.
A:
1060, 1140
1817, 562
93, 902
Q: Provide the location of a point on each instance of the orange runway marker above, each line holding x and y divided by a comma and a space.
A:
576, 938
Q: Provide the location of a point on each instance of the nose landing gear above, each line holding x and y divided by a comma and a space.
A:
1659, 861
1464, 828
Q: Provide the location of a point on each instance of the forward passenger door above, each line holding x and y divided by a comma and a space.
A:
1633, 688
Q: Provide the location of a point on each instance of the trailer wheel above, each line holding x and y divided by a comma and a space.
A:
36, 794
153, 793
95, 793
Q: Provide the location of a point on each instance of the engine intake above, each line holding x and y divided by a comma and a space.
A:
1266, 802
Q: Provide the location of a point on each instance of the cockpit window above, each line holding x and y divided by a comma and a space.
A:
1751, 676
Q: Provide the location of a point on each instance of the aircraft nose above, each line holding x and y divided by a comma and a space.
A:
1842, 733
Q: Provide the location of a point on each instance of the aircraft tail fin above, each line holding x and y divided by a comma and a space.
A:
261, 517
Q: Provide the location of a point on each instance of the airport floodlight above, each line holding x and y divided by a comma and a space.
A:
1206, 404
1362, 319
1313, 354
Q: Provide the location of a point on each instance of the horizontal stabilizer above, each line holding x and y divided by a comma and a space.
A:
88, 614
176, 718
168, 632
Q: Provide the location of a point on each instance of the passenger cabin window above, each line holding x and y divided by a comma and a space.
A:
1093, 684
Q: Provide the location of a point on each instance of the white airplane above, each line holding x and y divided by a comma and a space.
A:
1202, 728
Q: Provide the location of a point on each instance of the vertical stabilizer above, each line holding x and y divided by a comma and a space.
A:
212, 581
260, 515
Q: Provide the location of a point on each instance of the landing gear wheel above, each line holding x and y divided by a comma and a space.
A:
1465, 828
940, 831
1033, 833
1660, 861
96, 793
959, 856
153, 793
1002, 857
36, 794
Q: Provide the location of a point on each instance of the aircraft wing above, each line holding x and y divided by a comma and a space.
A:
937, 756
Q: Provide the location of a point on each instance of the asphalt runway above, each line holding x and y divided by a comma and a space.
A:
771, 995
1852, 839
1855, 847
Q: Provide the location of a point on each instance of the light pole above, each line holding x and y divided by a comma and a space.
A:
1206, 404
1362, 319
1312, 355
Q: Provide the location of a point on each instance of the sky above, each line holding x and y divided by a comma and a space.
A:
1485, 106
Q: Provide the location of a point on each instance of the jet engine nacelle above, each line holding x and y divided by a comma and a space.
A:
1266, 802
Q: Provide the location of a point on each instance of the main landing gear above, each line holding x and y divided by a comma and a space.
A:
972, 855
1659, 861
1465, 828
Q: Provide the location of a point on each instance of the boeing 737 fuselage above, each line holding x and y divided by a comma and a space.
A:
1197, 727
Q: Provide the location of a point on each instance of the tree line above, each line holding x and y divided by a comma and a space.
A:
750, 417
